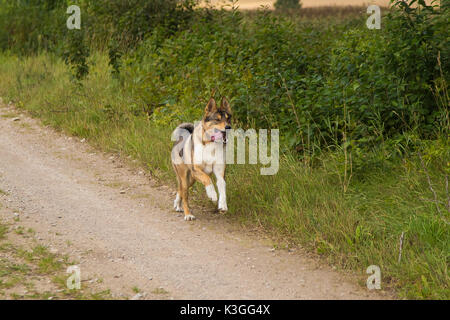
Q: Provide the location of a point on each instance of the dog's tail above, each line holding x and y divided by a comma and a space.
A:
182, 130
186, 126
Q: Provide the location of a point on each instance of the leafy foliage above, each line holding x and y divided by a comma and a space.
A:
31, 25
315, 83
323, 86
76, 54
130, 21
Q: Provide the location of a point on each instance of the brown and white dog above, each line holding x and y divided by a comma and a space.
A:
199, 151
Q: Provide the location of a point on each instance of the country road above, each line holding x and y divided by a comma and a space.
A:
118, 224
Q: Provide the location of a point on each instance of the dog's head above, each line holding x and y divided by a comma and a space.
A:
216, 121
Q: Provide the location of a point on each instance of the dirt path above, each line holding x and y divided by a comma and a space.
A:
120, 227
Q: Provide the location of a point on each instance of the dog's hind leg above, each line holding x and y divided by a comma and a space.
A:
177, 201
185, 183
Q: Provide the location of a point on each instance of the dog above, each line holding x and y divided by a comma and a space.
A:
198, 151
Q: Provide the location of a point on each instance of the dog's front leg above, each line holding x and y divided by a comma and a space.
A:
204, 179
219, 171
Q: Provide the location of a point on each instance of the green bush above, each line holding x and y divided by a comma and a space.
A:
316, 84
130, 21
416, 36
76, 54
31, 25
244, 61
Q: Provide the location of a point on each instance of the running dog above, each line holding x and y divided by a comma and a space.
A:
199, 151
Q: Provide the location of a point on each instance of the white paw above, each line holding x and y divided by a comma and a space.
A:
223, 205
211, 192
189, 217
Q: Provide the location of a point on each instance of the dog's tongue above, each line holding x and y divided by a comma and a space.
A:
217, 136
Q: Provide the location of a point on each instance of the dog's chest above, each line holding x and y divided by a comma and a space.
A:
208, 155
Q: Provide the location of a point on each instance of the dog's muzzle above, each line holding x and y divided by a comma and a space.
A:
220, 135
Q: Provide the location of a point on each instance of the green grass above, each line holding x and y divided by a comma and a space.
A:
47, 262
3, 230
136, 289
300, 205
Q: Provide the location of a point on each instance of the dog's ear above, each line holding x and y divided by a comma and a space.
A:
211, 106
225, 106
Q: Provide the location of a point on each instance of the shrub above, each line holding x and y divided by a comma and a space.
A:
29, 26
130, 21
316, 84
76, 54
32, 25
415, 37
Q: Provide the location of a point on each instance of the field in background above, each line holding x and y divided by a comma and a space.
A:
254, 4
